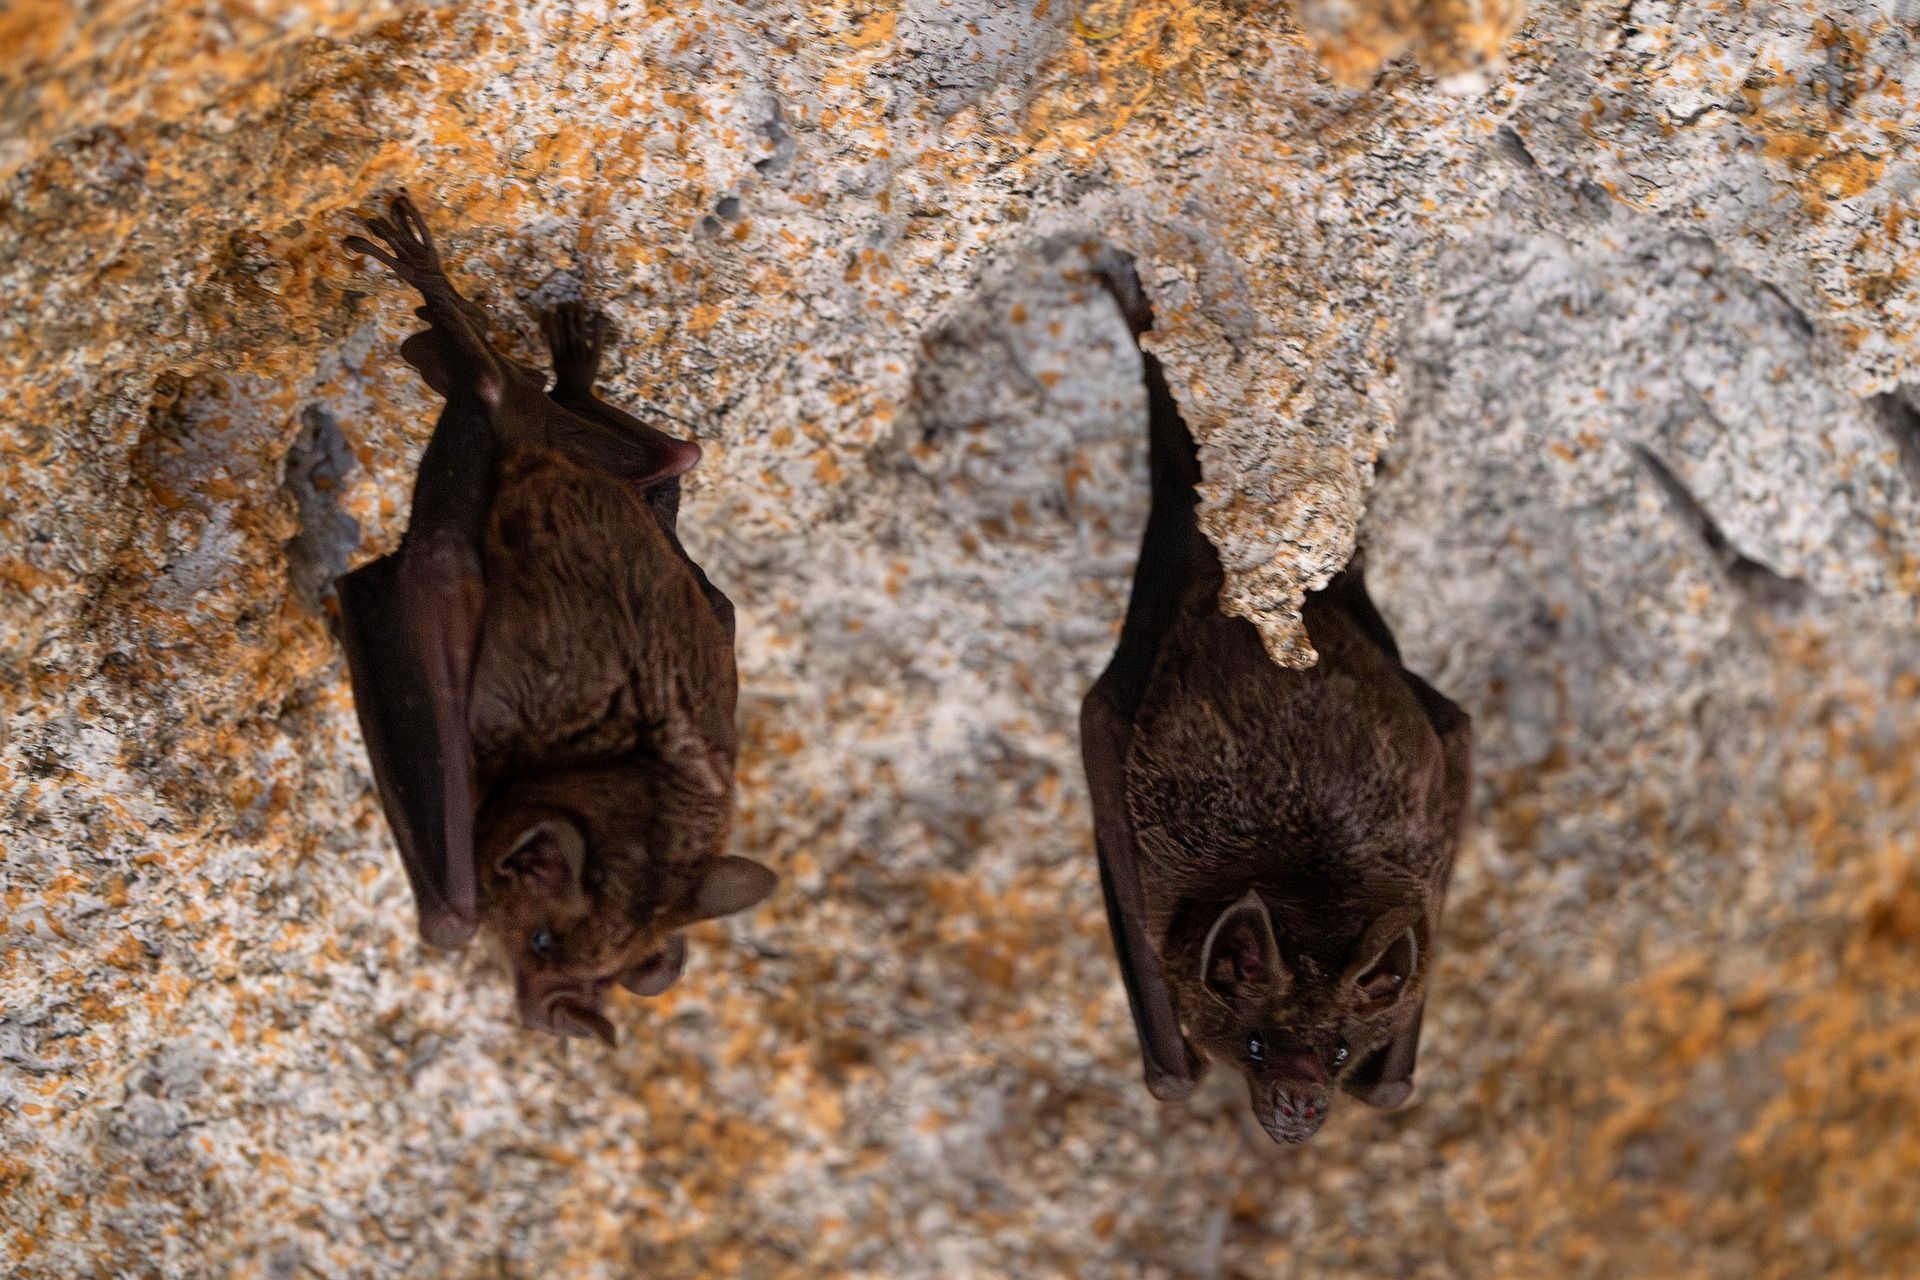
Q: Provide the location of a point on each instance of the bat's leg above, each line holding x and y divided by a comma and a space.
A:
575, 335
455, 351
1172, 1067
595, 433
407, 248
1348, 593
1178, 567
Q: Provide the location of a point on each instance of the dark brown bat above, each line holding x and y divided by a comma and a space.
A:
545, 680
1274, 845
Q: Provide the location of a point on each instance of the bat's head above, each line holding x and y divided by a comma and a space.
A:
1300, 1022
587, 880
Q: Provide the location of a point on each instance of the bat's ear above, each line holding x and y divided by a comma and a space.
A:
547, 858
658, 971
1388, 957
730, 885
1241, 957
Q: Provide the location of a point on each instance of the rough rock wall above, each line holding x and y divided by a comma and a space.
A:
1624, 319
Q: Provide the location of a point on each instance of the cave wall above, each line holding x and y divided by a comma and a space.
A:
1596, 329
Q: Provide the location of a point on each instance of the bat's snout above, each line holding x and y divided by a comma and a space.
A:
1292, 1114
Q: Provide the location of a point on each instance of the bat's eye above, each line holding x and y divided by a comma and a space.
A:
1256, 1048
541, 942
1339, 1053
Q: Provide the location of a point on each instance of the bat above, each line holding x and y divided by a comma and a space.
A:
1274, 845
544, 679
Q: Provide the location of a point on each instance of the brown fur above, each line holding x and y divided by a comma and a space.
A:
546, 680
604, 690
1274, 844
597, 640
1321, 791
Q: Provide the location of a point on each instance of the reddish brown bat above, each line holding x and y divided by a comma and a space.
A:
1274, 844
545, 680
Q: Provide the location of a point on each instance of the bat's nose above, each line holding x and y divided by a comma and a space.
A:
1293, 1115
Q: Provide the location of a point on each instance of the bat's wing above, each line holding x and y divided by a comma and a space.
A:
593, 433
410, 624
1177, 564
1455, 728
1348, 593
1386, 1079
605, 439
1172, 1067
403, 743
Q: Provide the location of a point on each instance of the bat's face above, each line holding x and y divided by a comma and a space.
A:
1296, 1024
580, 898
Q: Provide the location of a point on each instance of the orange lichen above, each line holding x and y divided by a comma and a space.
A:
1354, 38
1607, 1165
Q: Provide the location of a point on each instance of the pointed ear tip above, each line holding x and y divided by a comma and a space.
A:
733, 884
756, 874
1249, 904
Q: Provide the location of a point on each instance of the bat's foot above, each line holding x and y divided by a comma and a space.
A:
576, 334
1116, 272
406, 246
455, 351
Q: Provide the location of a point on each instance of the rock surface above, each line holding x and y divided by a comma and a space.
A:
1603, 341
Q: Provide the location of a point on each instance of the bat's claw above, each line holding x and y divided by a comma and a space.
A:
406, 246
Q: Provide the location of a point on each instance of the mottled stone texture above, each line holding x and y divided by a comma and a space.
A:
1603, 341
